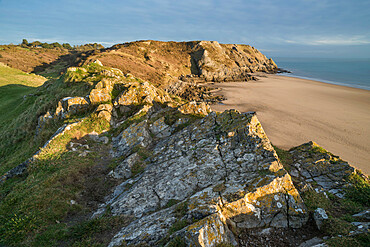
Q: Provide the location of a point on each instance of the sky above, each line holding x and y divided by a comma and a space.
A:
284, 28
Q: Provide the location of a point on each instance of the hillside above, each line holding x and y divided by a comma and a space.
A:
164, 62
48, 60
27, 59
155, 61
100, 157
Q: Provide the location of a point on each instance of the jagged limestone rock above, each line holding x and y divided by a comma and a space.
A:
221, 168
209, 231
320, 169
139, 93
195, 108
160, 129
135, 135
124, 169
101, 92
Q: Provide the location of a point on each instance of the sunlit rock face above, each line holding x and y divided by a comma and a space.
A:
202, 183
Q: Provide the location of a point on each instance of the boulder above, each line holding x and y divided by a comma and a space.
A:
105, 111
106, 115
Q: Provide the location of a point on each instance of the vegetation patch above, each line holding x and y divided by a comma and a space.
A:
361, 240
314, 200
335, 226
177, 242
178, 225
55, 188
359, 189
285, 158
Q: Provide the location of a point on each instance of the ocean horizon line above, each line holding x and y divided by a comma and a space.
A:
350, 85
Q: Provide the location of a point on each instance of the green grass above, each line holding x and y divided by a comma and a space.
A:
334, 227
14, 84
32, 205
361, 240
314, 200
19, 114
285, 157
14, 76
177, 242
360, 189
178, 225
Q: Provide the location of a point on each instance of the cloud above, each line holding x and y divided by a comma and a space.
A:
335, 40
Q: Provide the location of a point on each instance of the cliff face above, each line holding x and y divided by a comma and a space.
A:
228, 62
164, 62
132, 164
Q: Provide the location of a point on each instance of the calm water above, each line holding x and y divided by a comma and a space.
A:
346, 72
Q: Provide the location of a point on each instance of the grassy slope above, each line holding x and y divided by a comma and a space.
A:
19, 114
27, 59
14, 84
36, 208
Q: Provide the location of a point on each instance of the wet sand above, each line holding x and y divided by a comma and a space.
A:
293, 111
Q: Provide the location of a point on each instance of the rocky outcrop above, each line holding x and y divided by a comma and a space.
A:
191, 91
228, 62
70, 106
208, 181
140, 93
314, 167
163, 63
102, 92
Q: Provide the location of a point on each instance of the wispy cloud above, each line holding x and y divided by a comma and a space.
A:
336, 40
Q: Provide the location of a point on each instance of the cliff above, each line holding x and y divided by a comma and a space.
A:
123, 162
164, 62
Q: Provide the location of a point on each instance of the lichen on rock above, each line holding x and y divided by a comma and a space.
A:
223, 167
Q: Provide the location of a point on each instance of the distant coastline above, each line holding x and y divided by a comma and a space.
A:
354, 73
351, 85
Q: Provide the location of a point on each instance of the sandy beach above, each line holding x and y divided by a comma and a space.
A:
293, 111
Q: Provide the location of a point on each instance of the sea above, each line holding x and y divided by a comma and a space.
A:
346, 72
